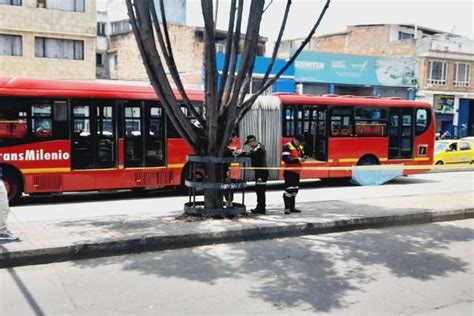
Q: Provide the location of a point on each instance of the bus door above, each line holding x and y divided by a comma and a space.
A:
320, 148
93, 135
400, 134
144, 134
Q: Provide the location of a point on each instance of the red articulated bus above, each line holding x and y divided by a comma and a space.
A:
60, 136
344, 131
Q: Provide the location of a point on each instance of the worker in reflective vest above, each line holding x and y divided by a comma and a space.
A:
293, 157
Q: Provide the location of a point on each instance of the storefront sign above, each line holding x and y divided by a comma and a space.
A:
356, 70
443, 104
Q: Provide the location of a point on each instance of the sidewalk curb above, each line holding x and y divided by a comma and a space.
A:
158, 243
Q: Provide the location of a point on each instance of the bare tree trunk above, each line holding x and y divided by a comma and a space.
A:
225, 103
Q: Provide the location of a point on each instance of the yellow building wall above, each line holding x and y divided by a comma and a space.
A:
30, 21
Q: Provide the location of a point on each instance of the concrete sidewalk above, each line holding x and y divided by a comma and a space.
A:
52, 241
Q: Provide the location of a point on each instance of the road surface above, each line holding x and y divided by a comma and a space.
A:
412, 270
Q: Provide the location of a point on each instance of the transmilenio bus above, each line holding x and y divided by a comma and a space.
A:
59, 136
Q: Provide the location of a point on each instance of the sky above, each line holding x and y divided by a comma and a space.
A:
455, 16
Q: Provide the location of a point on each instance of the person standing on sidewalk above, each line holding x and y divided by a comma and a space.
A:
293, 157
5, 235
258, 156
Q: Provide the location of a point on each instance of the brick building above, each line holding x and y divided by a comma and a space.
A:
445, 62
53, 39
188, 49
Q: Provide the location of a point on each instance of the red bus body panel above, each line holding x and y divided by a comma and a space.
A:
55, 175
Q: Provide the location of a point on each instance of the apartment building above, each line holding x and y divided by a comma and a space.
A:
52, 39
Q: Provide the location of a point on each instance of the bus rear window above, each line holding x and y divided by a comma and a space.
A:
422, 120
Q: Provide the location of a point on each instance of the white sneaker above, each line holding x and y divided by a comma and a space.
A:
8, 236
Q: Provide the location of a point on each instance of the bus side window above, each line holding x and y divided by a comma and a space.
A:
288, 121
341, 122
370, 122
13, 121
41, 119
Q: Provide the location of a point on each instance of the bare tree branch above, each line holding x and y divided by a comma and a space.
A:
245, 107
210, 66
268, 5
234, 55
246, 66
277, 43
167, 52
141, 25
228, 46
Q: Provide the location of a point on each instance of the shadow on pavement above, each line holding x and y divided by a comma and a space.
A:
307, 270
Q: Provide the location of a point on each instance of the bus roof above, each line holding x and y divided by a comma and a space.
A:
82, 89
348, 101
108, 90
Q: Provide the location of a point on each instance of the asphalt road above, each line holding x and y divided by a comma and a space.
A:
87, 205
412, 270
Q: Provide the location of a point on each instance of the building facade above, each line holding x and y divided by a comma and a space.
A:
51, 39
125, 62
444, 60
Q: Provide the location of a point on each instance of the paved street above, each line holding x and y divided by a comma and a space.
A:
88, 205
425, 269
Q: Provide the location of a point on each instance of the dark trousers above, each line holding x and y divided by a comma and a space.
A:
260, 189
292, 186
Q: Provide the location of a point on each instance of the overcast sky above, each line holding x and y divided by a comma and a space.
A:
449, 16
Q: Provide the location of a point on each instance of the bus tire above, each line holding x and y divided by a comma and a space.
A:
13, 184
439, 163
368, 160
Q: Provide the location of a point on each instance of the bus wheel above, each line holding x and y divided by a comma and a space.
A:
12, 185
439, 163
367, 161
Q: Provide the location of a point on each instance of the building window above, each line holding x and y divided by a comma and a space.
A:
121, 27
115, 61
437, 72
99, 60
402, 36
59, 48
64, 5
462, 74
10, 45
11, 2
256, 84
100, 29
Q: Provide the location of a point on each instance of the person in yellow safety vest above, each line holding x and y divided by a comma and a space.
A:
293, 157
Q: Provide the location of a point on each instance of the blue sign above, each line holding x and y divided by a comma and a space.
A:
261, 65
318, 67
